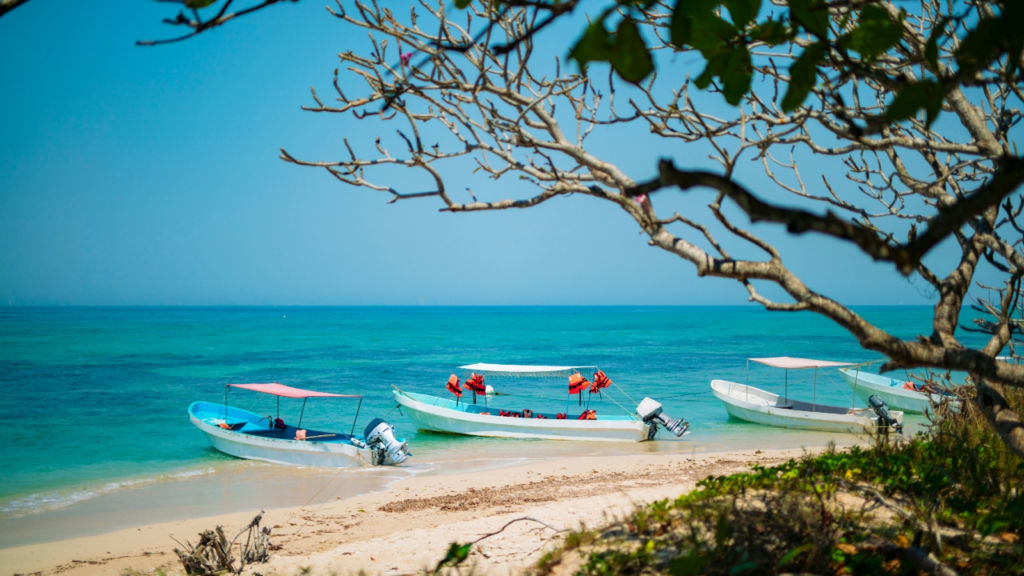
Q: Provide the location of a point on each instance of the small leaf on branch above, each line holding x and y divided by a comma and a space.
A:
629, 55
992, 38
742, 11
802, 76
931, 48
812, 15
912, 97
771, 32
711, 34
737, 74
875, 33
198, 3
460, 4
593, 46
682, 24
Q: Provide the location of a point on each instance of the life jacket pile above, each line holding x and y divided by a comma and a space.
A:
527, 413
601, 381
476, 384
510, 414
453, 386
279, 424
559, 416
588, 415
541, 417
577, 383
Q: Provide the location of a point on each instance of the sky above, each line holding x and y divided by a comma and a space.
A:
150, 176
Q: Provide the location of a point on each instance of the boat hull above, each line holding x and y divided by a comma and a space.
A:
865, 384
276, 450
433, 414
760, 407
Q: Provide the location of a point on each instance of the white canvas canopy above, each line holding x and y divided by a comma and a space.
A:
798, 363
521, 370
788, 363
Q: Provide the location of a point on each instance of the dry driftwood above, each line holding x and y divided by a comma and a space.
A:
213, 553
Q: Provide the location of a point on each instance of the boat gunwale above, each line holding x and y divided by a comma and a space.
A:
774, 410
522, 422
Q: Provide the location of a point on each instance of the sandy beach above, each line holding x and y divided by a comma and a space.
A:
409, 527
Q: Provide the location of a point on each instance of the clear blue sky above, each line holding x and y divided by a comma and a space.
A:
150, 176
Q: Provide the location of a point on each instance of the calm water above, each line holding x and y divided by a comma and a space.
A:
95, 398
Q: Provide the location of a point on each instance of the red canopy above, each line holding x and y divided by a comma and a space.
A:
287, 391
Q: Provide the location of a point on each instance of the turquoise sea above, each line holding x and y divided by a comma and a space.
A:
96, 435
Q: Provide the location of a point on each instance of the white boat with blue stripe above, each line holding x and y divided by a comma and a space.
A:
746, 402
244, 434
458, 416
899, 394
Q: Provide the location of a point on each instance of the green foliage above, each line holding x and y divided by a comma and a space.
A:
457, 554
812, 15
913, 97
790, 518
625, 50
875, 33
725, 45
199, 3
802, 76
629, 55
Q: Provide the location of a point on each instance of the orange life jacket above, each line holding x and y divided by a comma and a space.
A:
453, 386
588, 415
476, 384
601, 381
577, 383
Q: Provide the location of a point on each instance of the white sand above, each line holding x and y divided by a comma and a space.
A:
409, 527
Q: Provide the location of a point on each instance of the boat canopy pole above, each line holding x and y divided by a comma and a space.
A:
303, 412
748, 380
853, 401
278, 407
785, 399
357, 417
814, 399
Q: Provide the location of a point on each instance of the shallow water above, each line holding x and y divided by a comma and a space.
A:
97, 436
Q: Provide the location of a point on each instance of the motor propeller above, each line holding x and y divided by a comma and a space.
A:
380, 436
650, 411
885, 417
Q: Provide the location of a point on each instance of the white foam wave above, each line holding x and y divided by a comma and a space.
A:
57, 499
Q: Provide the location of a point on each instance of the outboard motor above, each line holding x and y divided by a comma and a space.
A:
651, 413
380, 436
884, 416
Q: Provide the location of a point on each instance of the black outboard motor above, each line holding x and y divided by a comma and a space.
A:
651, 413
380, 436
884, 416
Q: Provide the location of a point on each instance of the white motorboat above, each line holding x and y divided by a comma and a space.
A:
459, 416
244, 434
899, 394
752, 404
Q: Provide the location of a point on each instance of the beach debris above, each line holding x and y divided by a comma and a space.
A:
213, 553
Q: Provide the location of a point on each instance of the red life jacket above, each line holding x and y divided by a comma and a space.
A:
588, 415
601, 381
476, 384
559, 416
577, 383
453, 386
279, 424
